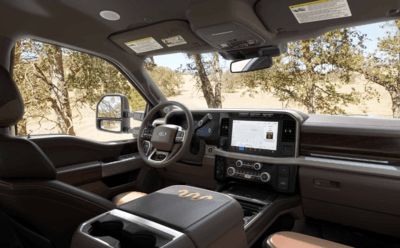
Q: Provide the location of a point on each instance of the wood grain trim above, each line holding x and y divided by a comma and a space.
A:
357, 146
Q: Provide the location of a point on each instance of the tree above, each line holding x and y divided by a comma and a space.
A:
303, 75
56, 80
166, 79
208, 75
385, 69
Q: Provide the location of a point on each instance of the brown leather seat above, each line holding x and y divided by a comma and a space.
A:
298, 240
127, 197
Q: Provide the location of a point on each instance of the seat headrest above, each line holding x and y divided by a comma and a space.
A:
11, 103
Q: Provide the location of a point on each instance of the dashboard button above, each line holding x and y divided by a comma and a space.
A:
265, 177
231, 171
239, 163
283, 183
257, 166
283, 169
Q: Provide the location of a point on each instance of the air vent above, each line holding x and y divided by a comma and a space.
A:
289, 131
224, 127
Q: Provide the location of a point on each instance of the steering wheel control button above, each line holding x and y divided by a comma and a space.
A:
147, 133
146, 147
239, 163
179, 136
257, 166
265, 177
231, 171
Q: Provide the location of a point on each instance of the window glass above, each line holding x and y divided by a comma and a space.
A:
61, 88
352, 71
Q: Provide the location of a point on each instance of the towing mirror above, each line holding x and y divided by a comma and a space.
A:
113, 114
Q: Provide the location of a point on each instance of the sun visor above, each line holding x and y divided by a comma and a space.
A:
161, 38
297, 15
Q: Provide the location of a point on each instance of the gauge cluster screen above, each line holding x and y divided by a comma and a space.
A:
254, 135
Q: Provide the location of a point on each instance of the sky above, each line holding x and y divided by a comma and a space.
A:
373, 31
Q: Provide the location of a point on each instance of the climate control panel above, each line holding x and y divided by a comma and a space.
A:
280, 177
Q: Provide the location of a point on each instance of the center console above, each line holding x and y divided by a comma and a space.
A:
177, 216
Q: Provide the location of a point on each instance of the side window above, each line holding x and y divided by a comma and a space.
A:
61, 87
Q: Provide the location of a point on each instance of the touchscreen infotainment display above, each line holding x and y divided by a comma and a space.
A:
255, 135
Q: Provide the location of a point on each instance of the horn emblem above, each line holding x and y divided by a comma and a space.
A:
194, 196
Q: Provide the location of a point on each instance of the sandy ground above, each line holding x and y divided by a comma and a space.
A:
192, 97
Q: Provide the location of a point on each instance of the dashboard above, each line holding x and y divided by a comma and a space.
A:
261, 133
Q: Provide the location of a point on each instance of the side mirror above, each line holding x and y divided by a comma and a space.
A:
113, 114
253, 64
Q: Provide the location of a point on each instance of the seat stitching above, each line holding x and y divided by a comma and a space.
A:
20, 186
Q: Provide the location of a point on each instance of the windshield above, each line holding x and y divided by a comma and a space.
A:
353, 71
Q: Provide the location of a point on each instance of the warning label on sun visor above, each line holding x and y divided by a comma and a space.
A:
144, 45
174, 41
320, 10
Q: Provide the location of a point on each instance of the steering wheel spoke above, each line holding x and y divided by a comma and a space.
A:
158, 156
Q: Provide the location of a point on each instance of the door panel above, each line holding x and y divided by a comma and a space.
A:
66, 150
105, 169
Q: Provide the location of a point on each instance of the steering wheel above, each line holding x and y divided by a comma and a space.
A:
163, 145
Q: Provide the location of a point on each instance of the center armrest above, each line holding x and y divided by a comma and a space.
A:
206, 217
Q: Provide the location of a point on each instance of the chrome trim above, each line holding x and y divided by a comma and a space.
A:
157, 228
91, 237
349, 158
153, 226
158, 152
351, 163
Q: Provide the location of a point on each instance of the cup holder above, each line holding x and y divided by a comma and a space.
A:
115, 229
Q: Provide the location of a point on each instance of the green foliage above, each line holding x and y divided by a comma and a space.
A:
167, 80
383, 67
59, 86
302, 75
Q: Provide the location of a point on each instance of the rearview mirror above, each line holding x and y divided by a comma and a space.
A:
113, 114
253, 64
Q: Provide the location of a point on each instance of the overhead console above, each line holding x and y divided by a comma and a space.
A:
228, 25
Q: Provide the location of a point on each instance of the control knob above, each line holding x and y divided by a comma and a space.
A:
265, 177
257, 166
239, 163
231, 171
